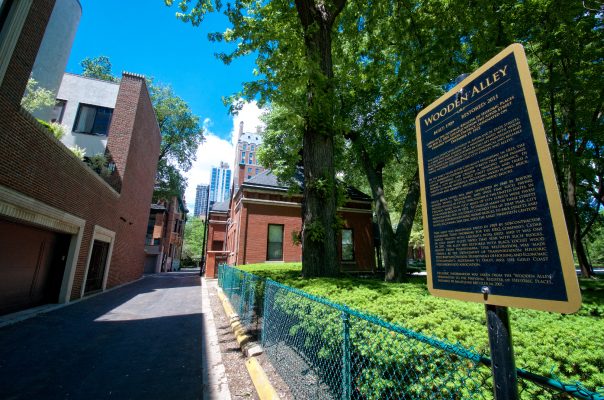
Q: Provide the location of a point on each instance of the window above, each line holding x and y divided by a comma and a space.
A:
243, 157
58, 111
275, 243
347, 245
5, 6
93, 120
249, 170
252, 148
257, 170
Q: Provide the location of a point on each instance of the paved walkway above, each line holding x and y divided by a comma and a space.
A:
152, 339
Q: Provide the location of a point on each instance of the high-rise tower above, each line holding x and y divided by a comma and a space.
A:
220, 183
201, 200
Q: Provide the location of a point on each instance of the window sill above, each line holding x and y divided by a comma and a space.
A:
91, 134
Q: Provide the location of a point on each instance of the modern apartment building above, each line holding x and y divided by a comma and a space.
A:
220, 183
201, 201
85, 107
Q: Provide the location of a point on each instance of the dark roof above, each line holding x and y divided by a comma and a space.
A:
220, 207
267, 179
355, 194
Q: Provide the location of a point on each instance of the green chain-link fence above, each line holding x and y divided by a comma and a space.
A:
324, 350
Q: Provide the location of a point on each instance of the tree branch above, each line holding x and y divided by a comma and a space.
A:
163, 152
305, 10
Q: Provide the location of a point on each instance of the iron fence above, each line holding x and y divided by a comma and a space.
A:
324, 350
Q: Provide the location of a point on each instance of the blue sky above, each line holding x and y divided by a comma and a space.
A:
144, 36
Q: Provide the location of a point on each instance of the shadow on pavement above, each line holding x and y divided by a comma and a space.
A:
141, 341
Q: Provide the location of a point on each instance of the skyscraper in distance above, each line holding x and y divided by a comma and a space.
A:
220, 183
246, 162
201, 200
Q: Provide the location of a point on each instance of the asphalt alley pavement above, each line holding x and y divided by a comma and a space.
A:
152, 339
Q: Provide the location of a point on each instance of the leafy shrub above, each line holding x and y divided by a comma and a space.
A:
79, 152
36, 97
55, 128
568, 345
99, 163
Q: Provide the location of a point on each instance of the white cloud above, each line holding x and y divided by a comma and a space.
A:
214, 149
210, 154
250, 115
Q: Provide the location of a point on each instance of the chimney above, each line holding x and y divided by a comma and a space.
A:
241, 177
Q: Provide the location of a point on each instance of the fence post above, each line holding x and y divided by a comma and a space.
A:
346, 381
252, 309
242, 294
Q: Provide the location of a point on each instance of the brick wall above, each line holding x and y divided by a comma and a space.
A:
254, 241
217, 229
362, 233
36, 165
134, 143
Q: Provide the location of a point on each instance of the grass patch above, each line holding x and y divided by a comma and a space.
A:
567, 345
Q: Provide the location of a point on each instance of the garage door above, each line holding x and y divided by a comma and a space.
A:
32, 263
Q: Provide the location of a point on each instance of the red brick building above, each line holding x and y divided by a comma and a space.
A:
218, 218
165, 232
64, 231
264, 223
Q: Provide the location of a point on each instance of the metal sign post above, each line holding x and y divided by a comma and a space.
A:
505, 381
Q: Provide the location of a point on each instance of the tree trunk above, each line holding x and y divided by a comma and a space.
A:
391, 254
572, 212
398, 272
586, 267
319, 245
319, 248
394, 246
405, 224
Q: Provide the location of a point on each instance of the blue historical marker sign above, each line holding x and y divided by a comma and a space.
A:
493, 221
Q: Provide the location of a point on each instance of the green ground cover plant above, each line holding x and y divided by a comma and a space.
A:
569, 346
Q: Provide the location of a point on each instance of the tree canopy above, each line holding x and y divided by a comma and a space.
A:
350, 76
193, 241
99, 68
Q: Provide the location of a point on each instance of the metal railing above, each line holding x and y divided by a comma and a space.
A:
324, 350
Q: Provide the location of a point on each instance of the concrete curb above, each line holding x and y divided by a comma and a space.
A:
264, 389
248, 347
